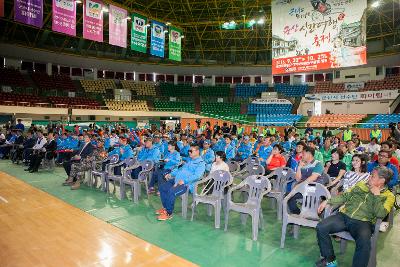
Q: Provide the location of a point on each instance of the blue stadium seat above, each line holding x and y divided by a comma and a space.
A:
269, 109
291, 90
382, 120
277, 119
247, 90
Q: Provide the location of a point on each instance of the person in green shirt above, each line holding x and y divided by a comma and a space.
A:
318, 155
326, 150
348, 156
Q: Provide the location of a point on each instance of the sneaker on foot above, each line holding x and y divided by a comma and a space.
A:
151, 190
161, 211
384, 226
323, 263
164, 217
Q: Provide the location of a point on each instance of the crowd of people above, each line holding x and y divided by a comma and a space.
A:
360, 175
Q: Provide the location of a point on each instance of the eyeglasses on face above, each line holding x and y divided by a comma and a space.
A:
382, 156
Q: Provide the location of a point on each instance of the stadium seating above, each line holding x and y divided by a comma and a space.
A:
73, 101
247, 90
140, 88
222, 90
133, 105
269, 108
169, 89
174, 106
98, 86
12, 78
382, 120
328, 87
54, 82
277, 120
291, 90
224, 109
335, 120
11, 99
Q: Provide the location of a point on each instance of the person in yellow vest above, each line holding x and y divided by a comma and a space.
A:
347, 134
254, 129
240, 131
265, 131
272, 130
376, 133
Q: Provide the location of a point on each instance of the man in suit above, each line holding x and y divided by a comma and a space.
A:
78, 163
48, 151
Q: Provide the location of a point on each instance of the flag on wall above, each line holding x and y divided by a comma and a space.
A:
93, 20
175, 46
157, 39
139, 33
64, 16
117, 26
29, 12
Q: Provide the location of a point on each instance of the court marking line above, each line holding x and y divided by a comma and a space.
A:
3, 199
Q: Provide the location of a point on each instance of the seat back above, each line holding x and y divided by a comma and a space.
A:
257, 184
147, 165
221, 180
113, 158
312, 193
284, 176
255, 169
233, 166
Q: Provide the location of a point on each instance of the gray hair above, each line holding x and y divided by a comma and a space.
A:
384, 173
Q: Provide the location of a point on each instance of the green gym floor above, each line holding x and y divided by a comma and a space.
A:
198, 241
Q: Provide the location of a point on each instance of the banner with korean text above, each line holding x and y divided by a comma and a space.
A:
64, 16
157, 39
117, 26
93, 20
139, 33
175, 45
315, 35
29, 12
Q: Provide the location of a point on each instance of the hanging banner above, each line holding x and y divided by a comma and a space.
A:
64, 16
318, 34
1, 8
117, 26
93, 20
29, 12
157, 39
139, 33
353, 86
175, 47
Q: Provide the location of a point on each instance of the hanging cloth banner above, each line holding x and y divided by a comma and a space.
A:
1, 8
139, 33
93, 20
29, 12
64, 16
117, 26
157, 39
175, 47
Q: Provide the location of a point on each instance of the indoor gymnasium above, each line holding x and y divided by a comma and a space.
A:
199, 133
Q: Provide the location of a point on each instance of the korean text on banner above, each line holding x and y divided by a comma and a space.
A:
139, 33
29, 12
93, 20
64, 16
117, 26
175, 44
157, 39
316, 35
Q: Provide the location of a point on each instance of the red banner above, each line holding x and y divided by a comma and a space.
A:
1, 8
301, 63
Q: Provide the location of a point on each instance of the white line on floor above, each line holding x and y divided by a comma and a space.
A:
3, 199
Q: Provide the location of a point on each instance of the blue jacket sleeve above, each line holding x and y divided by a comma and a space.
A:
197, 172
395, 177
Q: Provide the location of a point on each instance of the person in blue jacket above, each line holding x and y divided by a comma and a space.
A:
148, 152
265, 150
384, 160
229, 149
207, 154
245, 149
179, 181
184, 148
158, 144
220, 144
165, 141
170, 161
124, 151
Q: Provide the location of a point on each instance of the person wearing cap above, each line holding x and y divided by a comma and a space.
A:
265, 151
179, 181
244, 150
229, 149
147, 152
207, 154
360, 207
171, 161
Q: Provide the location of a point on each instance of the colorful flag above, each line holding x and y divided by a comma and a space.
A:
175, 46
117, 26
29, 12
157, 39
93, 20
139, 33
64, 16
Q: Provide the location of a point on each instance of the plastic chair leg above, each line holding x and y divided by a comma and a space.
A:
296, 229
226, 219
254, 220
217, 215
283, 235
193, 209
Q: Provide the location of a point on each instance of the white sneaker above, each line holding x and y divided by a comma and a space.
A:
384, 226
